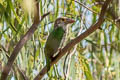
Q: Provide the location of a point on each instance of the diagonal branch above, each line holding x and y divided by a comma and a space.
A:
85, 6
19, 70
22, 41
73, 42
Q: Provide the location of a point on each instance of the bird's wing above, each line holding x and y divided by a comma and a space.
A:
53, 42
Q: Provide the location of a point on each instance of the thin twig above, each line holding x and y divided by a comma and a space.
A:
73, 42
86, 7
22, 73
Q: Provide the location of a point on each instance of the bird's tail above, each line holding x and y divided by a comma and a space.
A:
48, 62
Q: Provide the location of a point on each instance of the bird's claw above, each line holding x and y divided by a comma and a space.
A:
59, 50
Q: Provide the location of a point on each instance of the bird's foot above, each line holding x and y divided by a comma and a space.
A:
100, 28
60, 49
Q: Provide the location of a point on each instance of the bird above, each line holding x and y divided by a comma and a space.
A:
55, 38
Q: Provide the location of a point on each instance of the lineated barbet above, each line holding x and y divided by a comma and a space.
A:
55, 38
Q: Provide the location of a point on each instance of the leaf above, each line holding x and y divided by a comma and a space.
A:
85, 67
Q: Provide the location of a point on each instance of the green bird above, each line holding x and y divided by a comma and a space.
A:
55, 39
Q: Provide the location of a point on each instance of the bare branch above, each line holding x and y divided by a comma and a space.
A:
22, 41
85, 7
73, 42
107, 18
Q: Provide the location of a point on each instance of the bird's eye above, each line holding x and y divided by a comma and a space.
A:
63, 19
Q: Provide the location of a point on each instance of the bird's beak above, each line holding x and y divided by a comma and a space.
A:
68, 21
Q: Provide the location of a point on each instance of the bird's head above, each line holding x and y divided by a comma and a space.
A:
62, 22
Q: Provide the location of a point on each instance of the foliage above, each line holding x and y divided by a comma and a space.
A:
96, 57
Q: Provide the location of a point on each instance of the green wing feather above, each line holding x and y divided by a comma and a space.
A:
52, 44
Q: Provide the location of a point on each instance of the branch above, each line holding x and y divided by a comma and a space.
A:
21, 43
107, 18
73, 42
19, 70
85, 6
